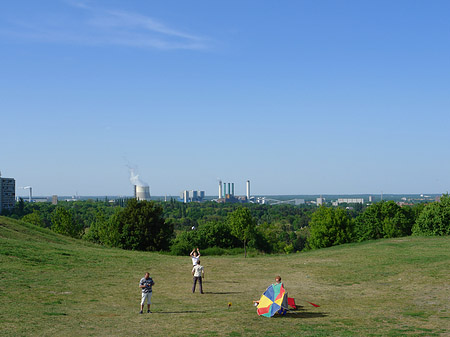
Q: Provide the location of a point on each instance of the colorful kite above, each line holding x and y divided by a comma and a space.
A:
273, 299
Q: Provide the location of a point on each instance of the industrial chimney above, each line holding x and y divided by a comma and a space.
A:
220, 189
248, 189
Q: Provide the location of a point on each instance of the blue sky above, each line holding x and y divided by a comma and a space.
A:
300, 97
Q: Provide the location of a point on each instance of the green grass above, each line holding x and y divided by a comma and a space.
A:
51, 285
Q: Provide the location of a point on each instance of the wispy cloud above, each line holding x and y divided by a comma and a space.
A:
99, 26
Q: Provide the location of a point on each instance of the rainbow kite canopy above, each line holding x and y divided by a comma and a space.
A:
273, 299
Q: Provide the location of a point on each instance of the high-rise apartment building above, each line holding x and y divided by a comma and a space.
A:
7, 193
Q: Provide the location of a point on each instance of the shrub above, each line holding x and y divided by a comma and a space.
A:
63, 223
434, 219
330, 227
383, 220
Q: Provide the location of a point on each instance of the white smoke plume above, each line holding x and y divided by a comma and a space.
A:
135, 179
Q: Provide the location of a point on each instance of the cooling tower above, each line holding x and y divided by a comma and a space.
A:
142, 192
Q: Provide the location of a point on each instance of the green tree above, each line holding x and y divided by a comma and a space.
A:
104, 230
142, 227
330, 227
242, 225
34, 218
434, 218
216, 234
383, 220
184, 242
63, 222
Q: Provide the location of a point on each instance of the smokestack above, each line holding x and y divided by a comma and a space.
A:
232, 189
229, 188
220, 189
248, 189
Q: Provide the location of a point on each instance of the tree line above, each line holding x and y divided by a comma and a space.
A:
386, 219
227, 228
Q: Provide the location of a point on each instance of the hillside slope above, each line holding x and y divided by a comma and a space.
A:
52, 285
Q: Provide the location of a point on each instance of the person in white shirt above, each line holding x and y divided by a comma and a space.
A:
198, 272
195, 255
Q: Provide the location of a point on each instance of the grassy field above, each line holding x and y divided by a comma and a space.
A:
51, 285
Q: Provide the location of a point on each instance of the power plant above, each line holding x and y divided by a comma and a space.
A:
223, 191
142, 192
226, 193
141, 189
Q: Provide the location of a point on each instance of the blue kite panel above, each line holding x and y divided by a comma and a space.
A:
269, 293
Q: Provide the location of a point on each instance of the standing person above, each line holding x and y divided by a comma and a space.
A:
195, 255
146, 285
198, 272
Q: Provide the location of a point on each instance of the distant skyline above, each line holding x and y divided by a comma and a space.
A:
298, 97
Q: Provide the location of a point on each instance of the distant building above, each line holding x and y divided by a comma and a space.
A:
230, 198
403, 203
350, 201
54, 200
189, 196
43, 199
7, 193
320, 201
370, 198
299, 202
